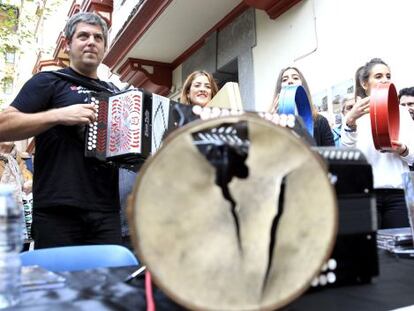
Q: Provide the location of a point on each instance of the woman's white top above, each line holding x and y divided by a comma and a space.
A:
387, 167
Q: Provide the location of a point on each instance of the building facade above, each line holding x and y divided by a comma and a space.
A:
155, 44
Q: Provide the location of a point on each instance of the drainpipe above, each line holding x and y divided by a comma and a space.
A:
316, 37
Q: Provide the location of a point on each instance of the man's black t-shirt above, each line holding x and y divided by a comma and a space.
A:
62, 175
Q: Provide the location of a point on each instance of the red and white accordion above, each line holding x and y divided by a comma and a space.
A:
131, 125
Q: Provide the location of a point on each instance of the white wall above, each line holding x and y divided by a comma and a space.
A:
348, 34
176, 84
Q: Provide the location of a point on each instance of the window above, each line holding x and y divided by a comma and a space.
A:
10, 57
227, 73
7, 86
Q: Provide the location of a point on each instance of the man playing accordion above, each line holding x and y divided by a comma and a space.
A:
76, 199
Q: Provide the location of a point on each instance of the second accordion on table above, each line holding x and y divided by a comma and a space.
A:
131, 125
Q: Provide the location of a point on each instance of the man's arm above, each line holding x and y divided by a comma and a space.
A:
17, 125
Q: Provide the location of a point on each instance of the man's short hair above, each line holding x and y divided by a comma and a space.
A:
88, 18
343, 99
408, 91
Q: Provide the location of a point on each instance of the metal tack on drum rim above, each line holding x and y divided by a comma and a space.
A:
385, 115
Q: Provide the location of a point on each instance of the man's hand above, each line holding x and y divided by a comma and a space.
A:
17, 125
76, 114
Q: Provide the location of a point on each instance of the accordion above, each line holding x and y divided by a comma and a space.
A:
131, 125
354, 259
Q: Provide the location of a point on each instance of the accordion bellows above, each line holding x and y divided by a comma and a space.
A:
228, 97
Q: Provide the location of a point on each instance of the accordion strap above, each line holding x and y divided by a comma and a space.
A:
92, 85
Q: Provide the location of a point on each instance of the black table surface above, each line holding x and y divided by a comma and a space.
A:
393, 288
104, 289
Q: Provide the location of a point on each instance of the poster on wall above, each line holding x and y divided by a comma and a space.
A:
328, 101
320, 100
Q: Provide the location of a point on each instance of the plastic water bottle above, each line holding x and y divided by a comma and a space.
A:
10, 246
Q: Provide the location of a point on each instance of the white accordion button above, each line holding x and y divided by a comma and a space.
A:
197, 110
275, 118
331, 277
268, 116
283, 120
215, 112
225, 112
323, 280
291, 121
332, 264
205, 113
315, 282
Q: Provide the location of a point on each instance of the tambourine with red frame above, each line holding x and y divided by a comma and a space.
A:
385, 116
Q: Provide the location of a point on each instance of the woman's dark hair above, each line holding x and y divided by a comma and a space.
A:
408, 91
362, 76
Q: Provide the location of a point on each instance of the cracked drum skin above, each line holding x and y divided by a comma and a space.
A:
184, 231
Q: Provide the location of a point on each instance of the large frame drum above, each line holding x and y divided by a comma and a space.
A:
261, 253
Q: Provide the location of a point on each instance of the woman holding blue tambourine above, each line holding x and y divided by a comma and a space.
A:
289, 98
390, 157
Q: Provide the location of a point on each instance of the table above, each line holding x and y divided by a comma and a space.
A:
103, 289
393, 288
97, 289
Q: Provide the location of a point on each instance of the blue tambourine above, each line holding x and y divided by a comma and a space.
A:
294, 100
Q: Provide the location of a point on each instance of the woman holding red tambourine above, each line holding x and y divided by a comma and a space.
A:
384, 135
